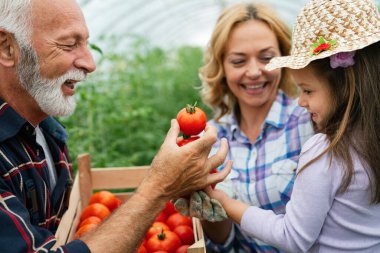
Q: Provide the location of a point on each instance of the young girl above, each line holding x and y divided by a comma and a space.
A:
335, 204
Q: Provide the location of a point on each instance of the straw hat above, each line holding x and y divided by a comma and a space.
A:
327, 27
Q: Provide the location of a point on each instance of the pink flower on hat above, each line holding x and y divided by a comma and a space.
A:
342, 59
322, 45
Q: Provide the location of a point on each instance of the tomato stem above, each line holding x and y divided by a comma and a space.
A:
161, 236
190, 108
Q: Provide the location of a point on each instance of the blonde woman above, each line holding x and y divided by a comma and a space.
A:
256, 111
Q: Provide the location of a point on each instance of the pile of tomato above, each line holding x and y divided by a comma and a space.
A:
171, 232
101, 205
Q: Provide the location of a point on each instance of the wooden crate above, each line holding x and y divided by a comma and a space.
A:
89, 179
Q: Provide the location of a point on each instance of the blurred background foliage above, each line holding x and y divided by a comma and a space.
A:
124, 108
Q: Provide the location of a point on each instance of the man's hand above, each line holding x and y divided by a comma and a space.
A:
178, 171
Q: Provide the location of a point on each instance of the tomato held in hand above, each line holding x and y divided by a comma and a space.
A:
167, 241
192, 120
188, 140
177, 219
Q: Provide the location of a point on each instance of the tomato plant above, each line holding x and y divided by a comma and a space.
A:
106, 198
177, 219
185, 233
192, 120
166, 240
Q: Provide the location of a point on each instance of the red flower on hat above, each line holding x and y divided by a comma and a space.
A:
322, 45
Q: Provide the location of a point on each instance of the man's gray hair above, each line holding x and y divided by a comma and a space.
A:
15, 17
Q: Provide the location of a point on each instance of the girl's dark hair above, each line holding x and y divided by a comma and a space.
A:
354, 124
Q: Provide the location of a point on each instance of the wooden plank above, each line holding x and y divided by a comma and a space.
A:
85, 179
118, 177
68, 219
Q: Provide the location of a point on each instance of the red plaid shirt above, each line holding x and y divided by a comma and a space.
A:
30, 211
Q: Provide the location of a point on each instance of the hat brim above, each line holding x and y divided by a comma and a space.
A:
301, 61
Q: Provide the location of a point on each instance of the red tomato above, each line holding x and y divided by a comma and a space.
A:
85, 229
156, 228
185, 233
161, 217
167, 241
182, 249
106, 198
192, 120
169, 209
188, 140
96, 209
142, 249
90, 220
177, 219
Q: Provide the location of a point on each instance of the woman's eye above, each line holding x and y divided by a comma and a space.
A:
237, 62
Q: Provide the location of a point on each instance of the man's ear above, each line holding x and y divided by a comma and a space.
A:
7, 49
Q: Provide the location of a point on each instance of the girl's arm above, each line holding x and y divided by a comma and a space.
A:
234, 208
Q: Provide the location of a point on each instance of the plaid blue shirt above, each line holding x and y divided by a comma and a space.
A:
263, 171
30, 211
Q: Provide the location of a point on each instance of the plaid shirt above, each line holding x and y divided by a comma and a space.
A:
29, 211
263, 171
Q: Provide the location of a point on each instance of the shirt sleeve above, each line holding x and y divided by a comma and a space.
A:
21, 236
311, 200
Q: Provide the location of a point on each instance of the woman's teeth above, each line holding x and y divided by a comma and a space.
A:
254, 87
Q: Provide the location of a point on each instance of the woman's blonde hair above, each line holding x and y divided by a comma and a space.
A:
215, 92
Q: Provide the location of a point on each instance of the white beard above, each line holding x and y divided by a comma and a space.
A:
47, 93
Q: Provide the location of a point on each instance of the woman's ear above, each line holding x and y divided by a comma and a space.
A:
7, 49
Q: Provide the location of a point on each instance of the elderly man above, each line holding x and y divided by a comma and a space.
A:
43, 55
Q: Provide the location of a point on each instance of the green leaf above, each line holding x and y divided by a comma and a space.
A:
332, 42
95, 48
322, 40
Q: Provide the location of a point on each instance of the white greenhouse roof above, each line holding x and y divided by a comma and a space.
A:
168, 23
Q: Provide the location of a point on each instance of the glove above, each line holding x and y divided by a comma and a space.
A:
201, 206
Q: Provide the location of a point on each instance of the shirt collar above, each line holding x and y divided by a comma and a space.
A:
277, 116
11, 123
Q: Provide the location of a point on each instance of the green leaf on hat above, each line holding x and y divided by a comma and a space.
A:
332, 42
